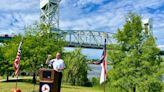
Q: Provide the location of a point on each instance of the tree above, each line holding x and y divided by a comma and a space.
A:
37, 44
76, 68
135, 59
8, 54
1, 60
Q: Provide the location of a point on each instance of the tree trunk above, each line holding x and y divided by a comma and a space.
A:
34, 78
7, 78
134, 89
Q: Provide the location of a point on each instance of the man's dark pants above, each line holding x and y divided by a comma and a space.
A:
58, 79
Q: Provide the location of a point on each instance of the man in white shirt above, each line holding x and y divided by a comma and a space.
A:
58, 66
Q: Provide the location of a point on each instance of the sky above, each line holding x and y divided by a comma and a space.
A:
99, 15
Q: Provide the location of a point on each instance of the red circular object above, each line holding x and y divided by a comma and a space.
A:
16, 90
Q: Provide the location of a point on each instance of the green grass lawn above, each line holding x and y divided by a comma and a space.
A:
27, 87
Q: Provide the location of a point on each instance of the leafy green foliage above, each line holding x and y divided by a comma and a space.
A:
76, 68
8, 52
95, 81
37, 44
135, 59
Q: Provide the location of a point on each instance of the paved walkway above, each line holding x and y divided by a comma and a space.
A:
14, 79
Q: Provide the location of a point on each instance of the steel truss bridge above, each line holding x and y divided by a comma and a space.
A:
86, 38
80, 38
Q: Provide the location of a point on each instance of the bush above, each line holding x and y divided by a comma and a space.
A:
76, 68
95, 81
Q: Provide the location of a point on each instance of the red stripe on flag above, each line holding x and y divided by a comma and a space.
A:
17, 61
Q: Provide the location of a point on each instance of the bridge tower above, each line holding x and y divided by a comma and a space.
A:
148, 26
50, 12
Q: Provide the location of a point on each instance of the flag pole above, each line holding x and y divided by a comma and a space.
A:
105, 36
104, 66
104, 87
19, 63
16, 80
16, 83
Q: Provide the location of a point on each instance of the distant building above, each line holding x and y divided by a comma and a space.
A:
148, 26
5, 37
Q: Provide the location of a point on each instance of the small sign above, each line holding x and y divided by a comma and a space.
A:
45, 88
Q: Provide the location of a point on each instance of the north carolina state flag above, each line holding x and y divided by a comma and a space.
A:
103, 63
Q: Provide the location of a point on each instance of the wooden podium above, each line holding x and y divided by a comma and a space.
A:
48, 80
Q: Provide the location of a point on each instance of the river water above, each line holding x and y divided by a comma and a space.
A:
95, 71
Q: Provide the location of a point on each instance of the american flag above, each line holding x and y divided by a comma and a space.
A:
103, 63
17, 60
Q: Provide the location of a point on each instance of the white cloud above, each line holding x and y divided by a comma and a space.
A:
19, 5
84, 2
15, 14
161, 47
151, 3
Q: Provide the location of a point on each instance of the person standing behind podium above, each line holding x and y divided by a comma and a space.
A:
58, 66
